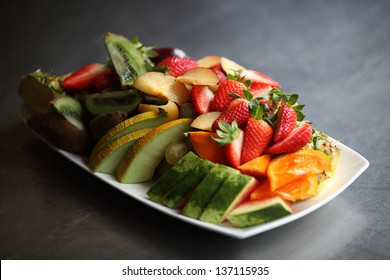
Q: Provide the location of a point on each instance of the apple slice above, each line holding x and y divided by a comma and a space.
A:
199, 76
230, 67
205, 121
163, 86
107, 159
209, 61
141, 161
170, 108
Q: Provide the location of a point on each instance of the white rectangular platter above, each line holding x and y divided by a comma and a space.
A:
351, 165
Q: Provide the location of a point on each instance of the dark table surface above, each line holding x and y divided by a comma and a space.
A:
334, 53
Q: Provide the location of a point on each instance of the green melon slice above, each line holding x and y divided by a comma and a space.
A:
107, 159
140, 162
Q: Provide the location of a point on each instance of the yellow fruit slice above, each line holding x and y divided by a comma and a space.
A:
140, 162
199, 76
205, 121
230, 66
107, 159
209, 61
289, 167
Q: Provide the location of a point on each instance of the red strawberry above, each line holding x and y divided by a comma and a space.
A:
258, 135
260, 90
222, 96
295, 141
237, 110
84, 79
178, 65
201, 97
166, 52
285, 123
233, 150
257, 77
106, 80
232, 140
218, 70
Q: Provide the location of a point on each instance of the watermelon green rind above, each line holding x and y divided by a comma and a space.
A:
206, 190
189, 183
168, 182
258, 212
233, 189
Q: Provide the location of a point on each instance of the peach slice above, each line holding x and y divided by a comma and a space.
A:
163, 86
205, 121
199, 76
230, 67
209, 61
170, 108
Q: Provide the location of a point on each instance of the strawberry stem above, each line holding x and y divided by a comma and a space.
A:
227, 132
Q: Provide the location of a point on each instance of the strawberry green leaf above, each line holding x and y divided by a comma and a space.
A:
256, 110
293, 98
157, 68
248, 95
300, 116
298, 107
230, 77
248, 83
227, 132
235, 95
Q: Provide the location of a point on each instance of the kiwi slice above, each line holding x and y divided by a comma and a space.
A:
150, 99
127, 59
124, 101
71, 109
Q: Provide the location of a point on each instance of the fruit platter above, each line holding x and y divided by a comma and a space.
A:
206, 140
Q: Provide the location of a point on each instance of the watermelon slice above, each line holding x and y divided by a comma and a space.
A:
234, 190
256, 212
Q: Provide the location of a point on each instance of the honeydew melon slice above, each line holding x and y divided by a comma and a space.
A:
107, 159
206, 190
232, 192
167, 183
140, 162
256, 212
137, 122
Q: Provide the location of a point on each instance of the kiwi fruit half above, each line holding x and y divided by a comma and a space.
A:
124, 101
127, 59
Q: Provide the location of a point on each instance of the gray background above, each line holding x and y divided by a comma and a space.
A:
334, 53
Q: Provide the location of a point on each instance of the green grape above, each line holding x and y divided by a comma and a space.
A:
175, 152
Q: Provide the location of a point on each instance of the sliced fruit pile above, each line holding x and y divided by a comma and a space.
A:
222, 142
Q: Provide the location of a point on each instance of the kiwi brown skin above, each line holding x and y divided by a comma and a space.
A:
60, 133
100, 124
